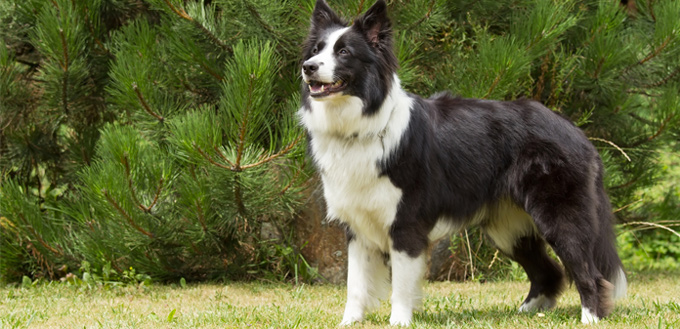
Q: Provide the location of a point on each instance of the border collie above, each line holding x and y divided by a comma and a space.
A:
400, 171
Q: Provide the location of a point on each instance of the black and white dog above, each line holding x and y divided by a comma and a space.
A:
400, 171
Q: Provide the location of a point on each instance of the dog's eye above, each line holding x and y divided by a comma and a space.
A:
343, 51
315, 50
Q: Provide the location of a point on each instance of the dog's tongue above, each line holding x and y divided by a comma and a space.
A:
318, 87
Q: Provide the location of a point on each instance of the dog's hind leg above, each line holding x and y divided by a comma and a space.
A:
514, 233
546, 276
367, 280
576, 253
568, 222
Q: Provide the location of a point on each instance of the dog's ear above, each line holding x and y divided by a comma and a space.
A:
375, 24
323, 16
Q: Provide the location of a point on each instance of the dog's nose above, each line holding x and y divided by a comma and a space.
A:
310, 68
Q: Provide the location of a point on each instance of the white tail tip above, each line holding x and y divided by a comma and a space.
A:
620, 284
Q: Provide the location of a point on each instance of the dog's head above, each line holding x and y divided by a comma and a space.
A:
355, 60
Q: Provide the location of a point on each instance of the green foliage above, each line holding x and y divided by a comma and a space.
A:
651, 239
155, 144
656, 250
158, 135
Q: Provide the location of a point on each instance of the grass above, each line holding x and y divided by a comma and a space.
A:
653, 302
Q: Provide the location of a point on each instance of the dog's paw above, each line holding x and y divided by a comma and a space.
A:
539, 303
588, 317
401, 316
354, 313
348, 321
401, 321
351, 317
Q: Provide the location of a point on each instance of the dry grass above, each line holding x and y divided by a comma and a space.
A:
653, 301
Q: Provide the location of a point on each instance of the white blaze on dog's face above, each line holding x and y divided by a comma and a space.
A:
348, 60
321, 54
319, 71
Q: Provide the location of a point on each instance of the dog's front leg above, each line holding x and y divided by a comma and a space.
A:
367, 281
407, 277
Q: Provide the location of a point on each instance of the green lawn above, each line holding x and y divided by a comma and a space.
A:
653, 302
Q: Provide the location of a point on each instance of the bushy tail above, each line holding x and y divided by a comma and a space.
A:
605, 255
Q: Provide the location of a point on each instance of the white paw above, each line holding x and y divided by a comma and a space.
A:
539, 303
588, 317
348, 322
401, 316
352, 315
400, 321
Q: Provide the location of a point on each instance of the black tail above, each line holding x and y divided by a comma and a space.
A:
605, 255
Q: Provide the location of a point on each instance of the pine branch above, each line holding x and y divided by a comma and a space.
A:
237, 168
651, 55
210, 71
133, 193
238, 198
115, 205
64, 88
540, 84
656, 134
495, 83
598, 69
145, 105
628, 184
201, 218
284, 42
664, 80
126, 164
89, 26
424, 18
274, 156
656, 51
180, 12
183, 14
641, 119
30, 228
155, 198
360, 8
288, 186
222, 156
642, 92
40, 259
270, 29
32, 66
210, 159
244, 125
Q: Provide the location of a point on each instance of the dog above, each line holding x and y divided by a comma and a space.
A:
400, 171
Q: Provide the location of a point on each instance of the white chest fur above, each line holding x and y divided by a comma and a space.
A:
354, 192
347, 147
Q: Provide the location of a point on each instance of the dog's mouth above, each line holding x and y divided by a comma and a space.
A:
320, 89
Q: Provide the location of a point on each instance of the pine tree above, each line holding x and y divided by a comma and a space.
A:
171, 135
158, 134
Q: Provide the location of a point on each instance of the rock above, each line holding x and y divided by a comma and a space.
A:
269, 231
324, 245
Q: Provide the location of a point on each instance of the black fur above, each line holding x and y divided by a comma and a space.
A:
459, 155
545, 275
369, 70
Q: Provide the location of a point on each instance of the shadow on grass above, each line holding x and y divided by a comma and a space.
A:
494, 314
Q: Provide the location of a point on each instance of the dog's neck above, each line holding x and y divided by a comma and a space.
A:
342, 117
